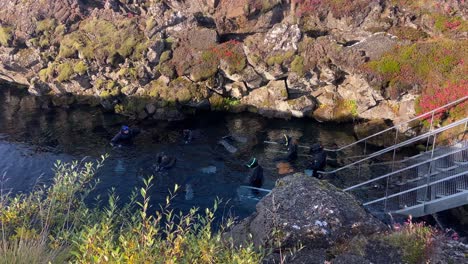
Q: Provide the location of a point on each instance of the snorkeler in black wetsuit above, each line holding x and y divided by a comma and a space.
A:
125, 136
164, 162
292, 150
319, 159
256, 173
188, 136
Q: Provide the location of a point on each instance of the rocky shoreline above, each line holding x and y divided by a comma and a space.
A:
166, 59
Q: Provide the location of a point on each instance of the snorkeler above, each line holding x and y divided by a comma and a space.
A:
164, 162
256, 173
291, 155
319, 159
125, 136
188, 136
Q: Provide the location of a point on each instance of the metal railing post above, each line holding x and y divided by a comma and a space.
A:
430, 129
364, 154
393, 168
429, 172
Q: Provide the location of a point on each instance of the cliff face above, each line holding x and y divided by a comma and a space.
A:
332, 60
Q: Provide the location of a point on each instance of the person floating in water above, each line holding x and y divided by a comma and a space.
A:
256, 173
188, 136
125, 136
291, 155
319, 159
164, 162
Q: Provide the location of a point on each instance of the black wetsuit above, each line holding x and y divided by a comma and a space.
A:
256, 176
319, 159
125, 139
187, 136
165, 162
291, 155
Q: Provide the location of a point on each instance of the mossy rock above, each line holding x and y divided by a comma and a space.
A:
99, 39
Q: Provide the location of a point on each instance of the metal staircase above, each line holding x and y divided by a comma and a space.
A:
425, 183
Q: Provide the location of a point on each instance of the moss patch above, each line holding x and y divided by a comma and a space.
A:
103, 40
64, 71
279, 58
80, 68
297, 65
5, 35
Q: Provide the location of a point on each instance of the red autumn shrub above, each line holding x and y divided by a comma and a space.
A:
437, 96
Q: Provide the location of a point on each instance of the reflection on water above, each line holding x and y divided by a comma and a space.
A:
34, 135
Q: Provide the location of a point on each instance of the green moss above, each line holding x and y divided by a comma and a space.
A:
47, 74
101, 40
110, 85
408, 33
279, 58
44, 42
128, 73
46, 25
5, 35
99, 83
167, 70
165, 56
80, 68
64, 71
345, 110
387, 66
297, 65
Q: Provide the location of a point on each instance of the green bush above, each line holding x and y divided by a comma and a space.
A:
54, 224
415, 240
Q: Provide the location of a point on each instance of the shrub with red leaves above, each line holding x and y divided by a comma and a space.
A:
437, 96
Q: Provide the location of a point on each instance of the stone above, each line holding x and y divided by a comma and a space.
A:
376, 45
356, 88
236, 89
304, 210
248, 75
150, 109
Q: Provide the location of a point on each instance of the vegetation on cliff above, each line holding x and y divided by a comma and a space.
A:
437, 67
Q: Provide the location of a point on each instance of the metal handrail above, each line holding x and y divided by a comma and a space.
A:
396, 146
400, 124
416, 188
404, 169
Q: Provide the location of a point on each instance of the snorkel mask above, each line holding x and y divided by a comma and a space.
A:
252, 163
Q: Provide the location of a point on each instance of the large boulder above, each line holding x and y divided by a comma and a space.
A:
271, 53
304, 210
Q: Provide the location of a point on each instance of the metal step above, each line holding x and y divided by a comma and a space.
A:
447, 169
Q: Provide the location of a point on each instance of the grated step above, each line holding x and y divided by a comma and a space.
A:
461, 163
461, 190
447, 169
